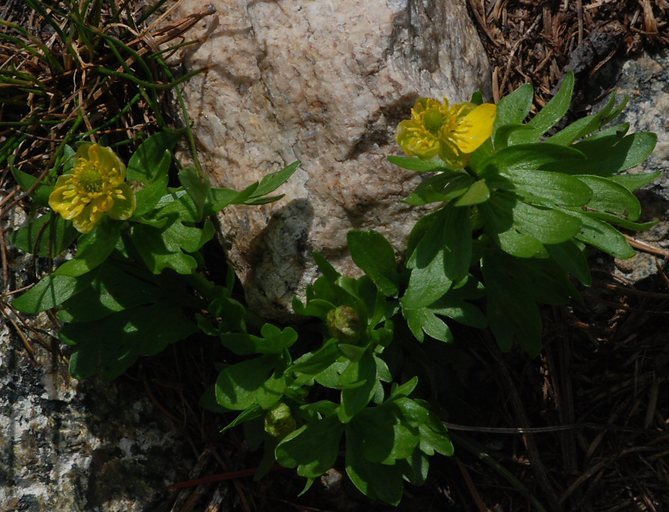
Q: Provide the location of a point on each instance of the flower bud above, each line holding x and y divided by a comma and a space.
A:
344, 324
279, 421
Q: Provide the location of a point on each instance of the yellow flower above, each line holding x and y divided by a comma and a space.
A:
451, 131
94, 187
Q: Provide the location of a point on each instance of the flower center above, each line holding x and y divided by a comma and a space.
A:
90, 179
433, 120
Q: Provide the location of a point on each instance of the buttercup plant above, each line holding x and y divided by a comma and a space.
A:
515, 208
514, 212
136, 282
515, 220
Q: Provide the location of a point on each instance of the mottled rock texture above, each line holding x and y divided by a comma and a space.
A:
324, 82
646, 81
67, 446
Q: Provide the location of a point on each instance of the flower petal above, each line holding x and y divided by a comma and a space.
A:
475, 128
61, 198
82, 150
416, 140
124, 203
108, 163
87, 219
451, 155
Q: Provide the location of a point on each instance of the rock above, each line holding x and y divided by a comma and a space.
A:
325, 83
645, 80
67, 446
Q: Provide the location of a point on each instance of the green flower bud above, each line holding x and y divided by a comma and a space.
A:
344, 324
279, 421
433, 120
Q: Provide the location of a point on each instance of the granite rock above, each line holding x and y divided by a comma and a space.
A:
68, 446
325, 83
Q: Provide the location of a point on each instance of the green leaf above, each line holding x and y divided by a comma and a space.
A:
375, 256
616, 132
634, 182
271, 391
412, 412
416, 468
50, 292
68, 159
583, 126
357, 382
418, 233
460, 311
548, 226
318, 308
427, 284
623, 223
457, 240
423, 320
556, 108
118, 286
530, 157
109, 346
435, 440
177, 204
504, 135
219, 198
312, 448
609, 155
514, 108
442, 187
273, 341
197, 187
167, 247
94, 249
382, 437
478, 192
238, 385
146, 164
47, 236
476, 98
151, 193
210, 403
414, 163
611, 197
571, 259
548, 188
372, 429
376, 481
41, 192
519, 244
604, 237
513, 316
405, 389
428, 280
313, 363
272, 181
328, 271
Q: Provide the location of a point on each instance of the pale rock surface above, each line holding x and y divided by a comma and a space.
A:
324, 82
67, 446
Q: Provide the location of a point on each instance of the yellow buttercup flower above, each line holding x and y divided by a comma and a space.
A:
93, 188
451, 131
